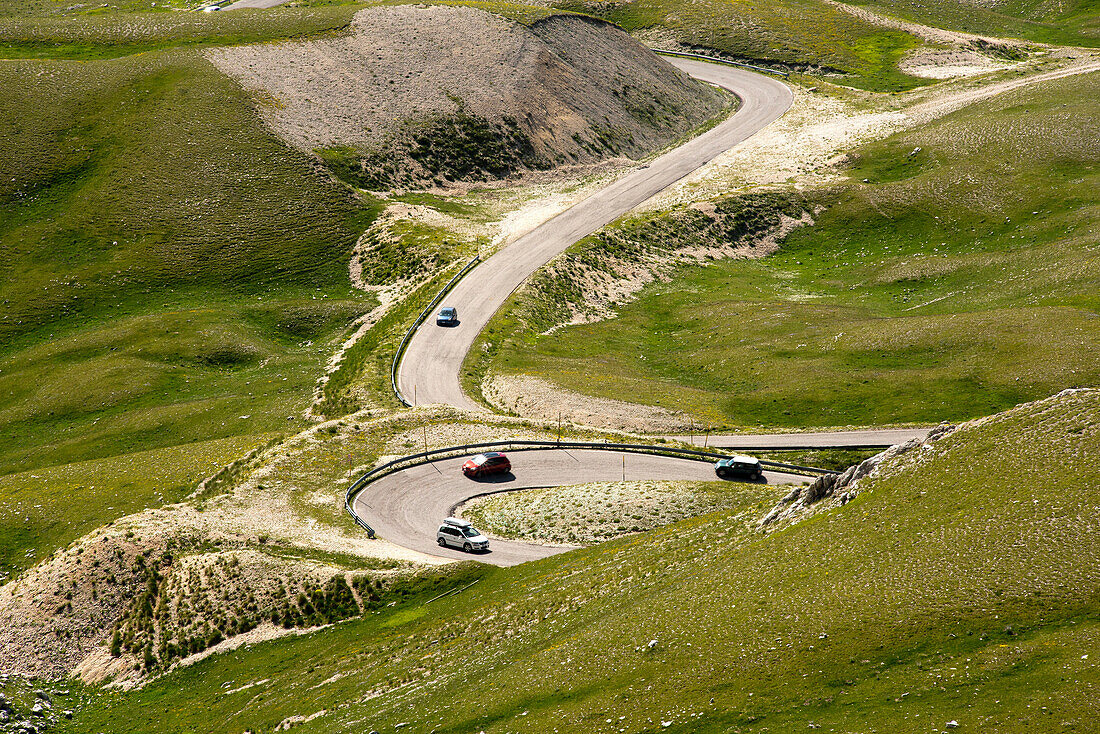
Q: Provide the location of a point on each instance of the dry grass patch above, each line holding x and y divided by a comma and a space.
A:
583, 514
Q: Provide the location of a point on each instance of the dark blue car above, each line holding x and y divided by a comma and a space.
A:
447, 316
739, 466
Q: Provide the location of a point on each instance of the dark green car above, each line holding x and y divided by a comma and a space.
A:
739, 466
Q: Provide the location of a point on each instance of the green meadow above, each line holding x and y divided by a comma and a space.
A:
959, 589
795, 34
171, 277
1075, 23
955, 276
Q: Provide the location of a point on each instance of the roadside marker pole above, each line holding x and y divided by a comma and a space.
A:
706, 438
559, 426
624, 467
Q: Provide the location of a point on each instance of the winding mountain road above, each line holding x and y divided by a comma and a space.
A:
432, 363
406, 507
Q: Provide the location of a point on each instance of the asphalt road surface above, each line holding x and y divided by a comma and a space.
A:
406, 507
432, 362
875, 438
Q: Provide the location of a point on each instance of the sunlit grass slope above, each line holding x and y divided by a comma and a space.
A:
45, 508
171, 272
962, 584
1070, 22
138, 27
962, 278
799, 33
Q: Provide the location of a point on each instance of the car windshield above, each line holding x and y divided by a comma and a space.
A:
470, 532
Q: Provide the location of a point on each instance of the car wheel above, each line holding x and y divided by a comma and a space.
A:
722, 473
467, 547
442, 543
756, 476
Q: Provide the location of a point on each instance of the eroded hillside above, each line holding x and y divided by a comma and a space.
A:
413, 94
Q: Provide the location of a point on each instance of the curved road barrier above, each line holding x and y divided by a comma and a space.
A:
870, 439
424, 487
719, 60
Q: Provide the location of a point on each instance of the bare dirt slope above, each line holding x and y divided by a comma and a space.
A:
423, 82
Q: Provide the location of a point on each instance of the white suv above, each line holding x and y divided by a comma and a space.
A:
460, 534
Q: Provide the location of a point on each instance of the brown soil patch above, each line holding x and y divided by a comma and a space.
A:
940, 63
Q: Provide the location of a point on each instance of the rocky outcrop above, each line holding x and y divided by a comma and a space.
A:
841, 488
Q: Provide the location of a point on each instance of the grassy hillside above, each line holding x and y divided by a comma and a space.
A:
39, 8
45, 508
169, 275
960, 279
961, 584
117, 32
798, 33
1076, 22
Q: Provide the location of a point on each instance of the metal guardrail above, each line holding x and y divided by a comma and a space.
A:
419, 320
425, 457
793, 447
719, 60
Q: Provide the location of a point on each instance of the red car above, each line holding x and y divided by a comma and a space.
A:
482, 465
